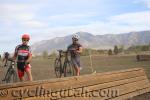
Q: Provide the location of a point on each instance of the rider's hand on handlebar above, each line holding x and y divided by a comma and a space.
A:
73, 49
11, 59
26, 63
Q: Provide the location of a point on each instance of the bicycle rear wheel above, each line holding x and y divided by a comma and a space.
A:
12, 76
57, 68
68, 69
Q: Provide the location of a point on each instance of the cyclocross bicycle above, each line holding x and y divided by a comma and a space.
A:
11, 75
66, 68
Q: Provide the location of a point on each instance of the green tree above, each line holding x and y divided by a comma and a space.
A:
53, 54
120, 48
145, 48
45, 54
116, 50
110, 52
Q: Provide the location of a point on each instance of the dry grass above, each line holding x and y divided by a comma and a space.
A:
44, 68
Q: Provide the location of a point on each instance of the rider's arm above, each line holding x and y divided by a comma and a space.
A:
80, 50
29, 56
14, 57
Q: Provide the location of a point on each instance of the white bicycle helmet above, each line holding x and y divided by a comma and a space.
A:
76, 36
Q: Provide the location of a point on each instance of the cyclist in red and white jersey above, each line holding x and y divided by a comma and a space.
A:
23, 56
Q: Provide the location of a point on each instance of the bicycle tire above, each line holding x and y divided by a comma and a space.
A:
68, 69
12, 76
57, 68
7, 74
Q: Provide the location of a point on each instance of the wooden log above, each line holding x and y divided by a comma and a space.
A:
108, 80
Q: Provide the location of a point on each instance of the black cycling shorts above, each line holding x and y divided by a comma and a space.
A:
21, 66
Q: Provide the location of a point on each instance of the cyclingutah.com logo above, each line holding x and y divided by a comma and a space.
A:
3, 93
55, 94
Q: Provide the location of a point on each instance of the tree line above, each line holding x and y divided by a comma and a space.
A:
117, 49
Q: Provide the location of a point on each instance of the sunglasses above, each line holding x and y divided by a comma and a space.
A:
74, 39
25, 39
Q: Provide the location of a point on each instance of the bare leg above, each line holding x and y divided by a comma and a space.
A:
29, 75
21, 79
77, 70
20, 75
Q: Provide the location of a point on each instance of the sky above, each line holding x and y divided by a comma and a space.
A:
46, 19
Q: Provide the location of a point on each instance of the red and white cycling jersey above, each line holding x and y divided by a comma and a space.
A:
22, 52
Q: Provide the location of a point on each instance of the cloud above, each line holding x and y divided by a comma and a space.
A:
115, 24
137, 18
19, 17
26, 16
67, 16
32, 24
146, 2
17, 12
48, 19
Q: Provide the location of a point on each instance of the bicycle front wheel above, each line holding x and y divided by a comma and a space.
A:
57, 68
12, 77
68, 69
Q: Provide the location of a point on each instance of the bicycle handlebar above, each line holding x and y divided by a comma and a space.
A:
72, 50
61, 51
66, 50
10, 59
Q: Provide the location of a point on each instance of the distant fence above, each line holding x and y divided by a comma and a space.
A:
143, 57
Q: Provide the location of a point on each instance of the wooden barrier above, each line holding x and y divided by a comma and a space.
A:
117, 85
143, 57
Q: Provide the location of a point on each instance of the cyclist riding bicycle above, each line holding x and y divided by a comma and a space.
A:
5, 59
23, 56
75, 49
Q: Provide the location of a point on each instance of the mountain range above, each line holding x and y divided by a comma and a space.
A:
88, 40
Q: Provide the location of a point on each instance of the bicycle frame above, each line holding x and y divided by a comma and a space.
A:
61, 68
68, 64
60, 59
66, 60
10, 72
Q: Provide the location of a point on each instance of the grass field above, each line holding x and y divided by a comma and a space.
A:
43, 68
